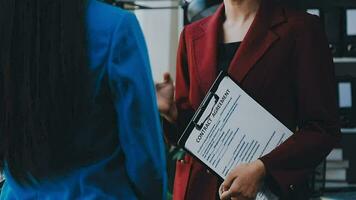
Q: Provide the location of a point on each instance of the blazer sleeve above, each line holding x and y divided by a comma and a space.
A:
173, 132
138, 122
318, 123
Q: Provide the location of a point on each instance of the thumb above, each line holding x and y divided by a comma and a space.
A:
167, 78
226, 195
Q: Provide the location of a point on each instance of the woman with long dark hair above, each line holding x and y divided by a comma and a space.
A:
74, 123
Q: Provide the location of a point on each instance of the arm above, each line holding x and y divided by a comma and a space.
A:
315, 86
138, 120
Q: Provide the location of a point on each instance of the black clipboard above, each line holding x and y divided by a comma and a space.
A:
197, 119
194, 122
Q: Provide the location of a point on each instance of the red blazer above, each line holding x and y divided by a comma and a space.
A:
285, 64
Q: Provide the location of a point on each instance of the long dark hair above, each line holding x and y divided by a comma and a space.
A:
44, 79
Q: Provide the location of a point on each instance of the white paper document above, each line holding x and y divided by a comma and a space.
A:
230, 128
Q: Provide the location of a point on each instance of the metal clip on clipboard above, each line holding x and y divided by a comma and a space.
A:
201, 111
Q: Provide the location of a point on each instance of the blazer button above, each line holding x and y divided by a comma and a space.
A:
208, 171
291, 187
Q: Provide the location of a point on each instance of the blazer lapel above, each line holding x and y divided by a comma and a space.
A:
205, 50
257, 41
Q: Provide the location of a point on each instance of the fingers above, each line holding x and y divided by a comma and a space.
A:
228, 191
224, 190
228, 180
236, 191
166, 81
229, 195
242, 183
226, 195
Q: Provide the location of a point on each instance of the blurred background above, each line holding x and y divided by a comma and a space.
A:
163, 20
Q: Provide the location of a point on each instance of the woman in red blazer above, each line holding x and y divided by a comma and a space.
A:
285, 64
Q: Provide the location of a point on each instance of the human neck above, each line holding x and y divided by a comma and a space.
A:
240, 11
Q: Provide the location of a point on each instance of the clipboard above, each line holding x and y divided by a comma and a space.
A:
203, 106
219, 144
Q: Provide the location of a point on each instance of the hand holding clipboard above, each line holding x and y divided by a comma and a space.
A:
231, 128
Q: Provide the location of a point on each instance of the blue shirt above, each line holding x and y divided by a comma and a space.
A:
119, 151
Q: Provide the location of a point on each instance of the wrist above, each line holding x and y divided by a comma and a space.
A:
260, 168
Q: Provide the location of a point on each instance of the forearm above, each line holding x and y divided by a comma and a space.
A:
289, 165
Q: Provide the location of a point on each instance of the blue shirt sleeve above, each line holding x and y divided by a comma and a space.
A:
139, 127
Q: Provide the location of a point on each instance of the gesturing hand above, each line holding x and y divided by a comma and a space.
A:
165, 98
243, 182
